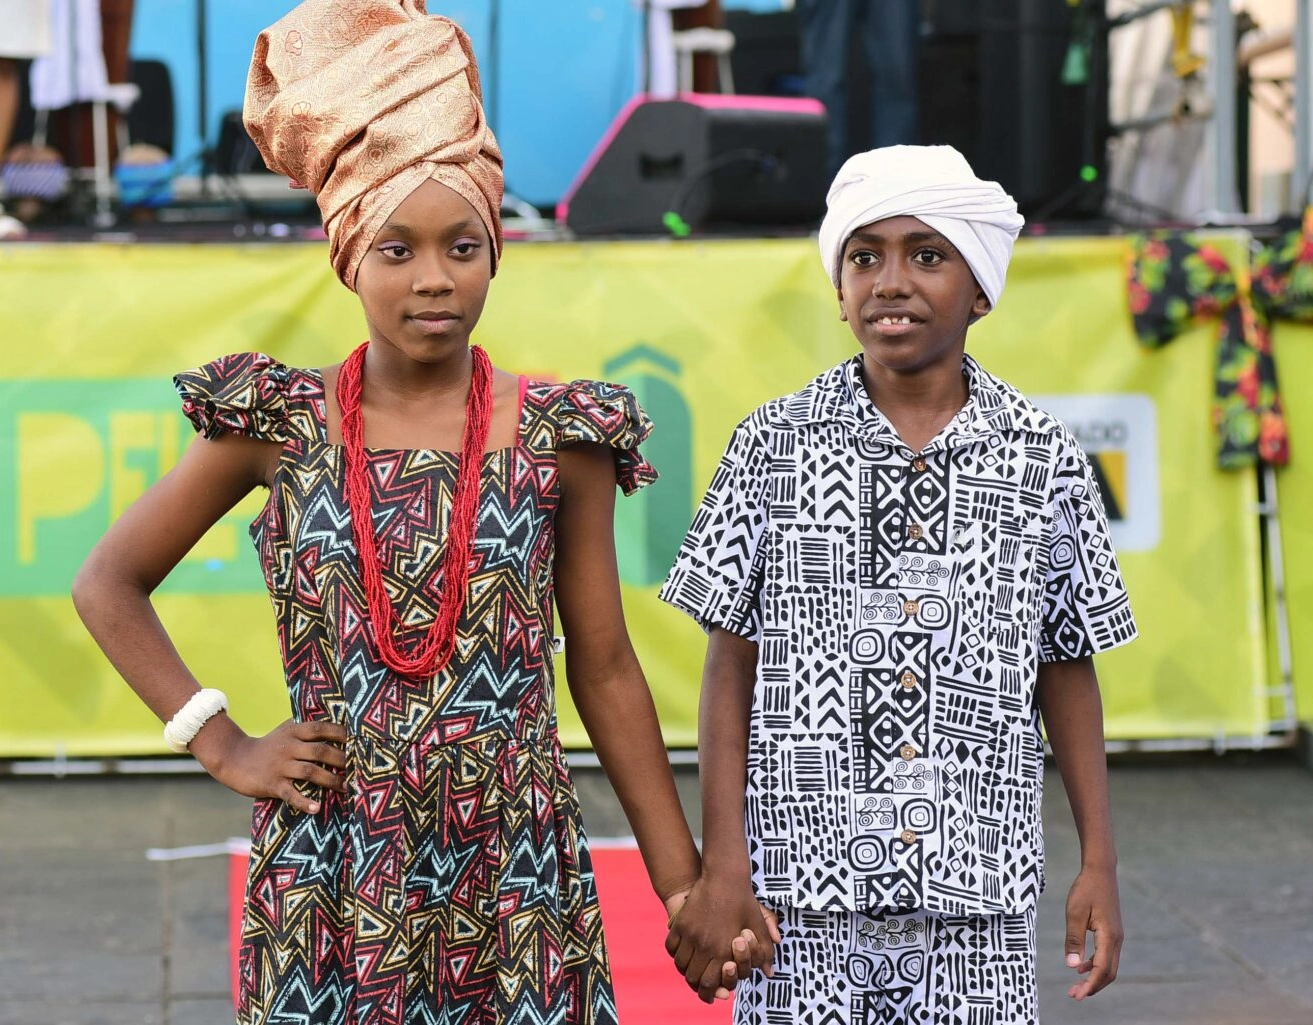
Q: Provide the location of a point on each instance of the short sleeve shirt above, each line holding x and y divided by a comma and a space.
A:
901, 603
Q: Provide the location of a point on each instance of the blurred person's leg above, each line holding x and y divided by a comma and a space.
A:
824, 27
24, 34
10, 227
10, 92
893, 38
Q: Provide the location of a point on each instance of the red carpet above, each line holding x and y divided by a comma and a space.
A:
647, 989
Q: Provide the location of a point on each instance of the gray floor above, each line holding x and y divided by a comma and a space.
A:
1216, 873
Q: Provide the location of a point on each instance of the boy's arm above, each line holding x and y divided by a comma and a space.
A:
721, 905
1068, 695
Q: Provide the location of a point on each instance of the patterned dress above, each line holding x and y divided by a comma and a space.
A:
453, 884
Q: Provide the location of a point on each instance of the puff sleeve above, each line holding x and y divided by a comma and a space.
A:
244, 394
608, 414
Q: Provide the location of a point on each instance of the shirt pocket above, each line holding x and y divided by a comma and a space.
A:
998, 581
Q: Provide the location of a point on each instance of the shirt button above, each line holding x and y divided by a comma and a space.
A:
907, 752
918, 464
911, 606
908, 680
908, 837
914, 531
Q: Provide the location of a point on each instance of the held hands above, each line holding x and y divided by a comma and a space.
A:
1093, 906
711, 921
273, 765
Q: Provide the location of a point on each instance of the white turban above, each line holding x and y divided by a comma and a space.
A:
936, 185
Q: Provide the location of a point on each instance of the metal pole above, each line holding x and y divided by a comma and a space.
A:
1303, 173
1223, 81
1283, 689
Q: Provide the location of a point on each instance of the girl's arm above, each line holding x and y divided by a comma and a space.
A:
722, 905
1068, 695
112, 595
605, 679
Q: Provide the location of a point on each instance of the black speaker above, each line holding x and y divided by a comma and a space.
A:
1036, 133
235, 153
991, 84
150, 119
713, 162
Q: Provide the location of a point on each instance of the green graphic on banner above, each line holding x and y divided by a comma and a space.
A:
74, 454
651, 525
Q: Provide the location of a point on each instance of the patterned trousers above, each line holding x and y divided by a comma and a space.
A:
894, 968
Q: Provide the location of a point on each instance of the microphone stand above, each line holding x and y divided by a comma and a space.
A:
202, 96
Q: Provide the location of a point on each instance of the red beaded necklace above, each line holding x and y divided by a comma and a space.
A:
435, 651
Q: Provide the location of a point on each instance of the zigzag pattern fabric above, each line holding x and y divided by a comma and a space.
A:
901, 603
453, 886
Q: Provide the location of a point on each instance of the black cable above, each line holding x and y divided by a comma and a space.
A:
673, 218
202, 92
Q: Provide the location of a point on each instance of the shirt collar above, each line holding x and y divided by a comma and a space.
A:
992, 407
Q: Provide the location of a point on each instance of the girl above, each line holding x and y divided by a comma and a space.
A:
417, 850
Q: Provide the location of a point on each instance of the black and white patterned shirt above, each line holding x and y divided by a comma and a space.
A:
901, 603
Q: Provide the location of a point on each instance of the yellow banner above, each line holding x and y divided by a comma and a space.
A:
703, 331
1293, 345
1193, 564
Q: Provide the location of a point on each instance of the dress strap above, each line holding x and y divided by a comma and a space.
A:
519, 410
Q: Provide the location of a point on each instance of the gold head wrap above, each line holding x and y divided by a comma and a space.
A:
361, 101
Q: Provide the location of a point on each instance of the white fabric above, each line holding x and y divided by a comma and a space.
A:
896, 966
200, 708
74, 71
24, 28
936, 185
662, 72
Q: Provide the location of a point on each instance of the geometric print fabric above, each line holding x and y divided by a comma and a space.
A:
901, 603
453, 884
896, 968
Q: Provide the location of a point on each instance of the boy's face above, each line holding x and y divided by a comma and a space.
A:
425, 278
908, 295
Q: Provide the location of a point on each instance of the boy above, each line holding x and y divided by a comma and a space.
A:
900, 567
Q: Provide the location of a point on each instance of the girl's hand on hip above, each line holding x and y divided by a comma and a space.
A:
273, 765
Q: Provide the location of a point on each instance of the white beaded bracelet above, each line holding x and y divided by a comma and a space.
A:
200, 708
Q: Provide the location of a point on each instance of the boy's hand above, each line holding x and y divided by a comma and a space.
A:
715, 921
1093, 906
743, 948
731, 972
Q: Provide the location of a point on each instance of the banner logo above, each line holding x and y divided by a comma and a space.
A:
73, 455
650, 526
1120, 435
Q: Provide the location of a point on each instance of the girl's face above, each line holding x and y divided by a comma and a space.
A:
425, 278
907, 294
